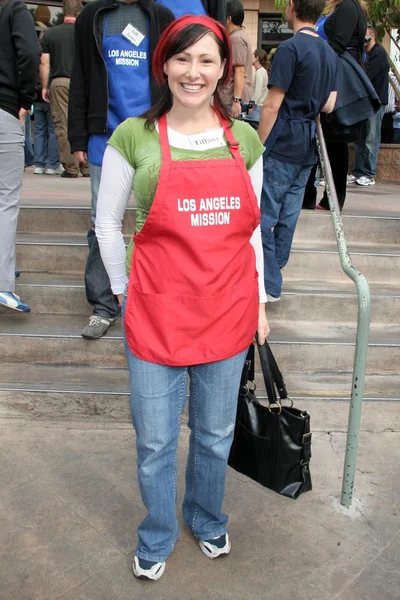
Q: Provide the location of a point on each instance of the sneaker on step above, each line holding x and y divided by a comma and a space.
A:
11, 300
215, 547
147, 569
97, 327
351, 179
365, 181
38, 170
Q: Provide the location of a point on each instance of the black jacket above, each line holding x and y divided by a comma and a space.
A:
345, 28
88, 94
378, 71
20, 57
216, 9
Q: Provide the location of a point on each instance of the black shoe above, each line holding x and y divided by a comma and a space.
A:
70, 175
85, 175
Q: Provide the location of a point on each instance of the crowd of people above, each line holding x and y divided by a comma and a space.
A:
149, 100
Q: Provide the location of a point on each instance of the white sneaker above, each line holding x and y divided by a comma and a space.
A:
38, 171
60, 169
273, 298
221, 547
351, 179
148, 570
365, 181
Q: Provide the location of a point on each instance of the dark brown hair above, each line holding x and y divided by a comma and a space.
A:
262, 57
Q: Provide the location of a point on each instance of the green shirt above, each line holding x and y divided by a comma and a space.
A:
140, 146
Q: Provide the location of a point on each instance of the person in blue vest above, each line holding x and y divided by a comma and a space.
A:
110, 81
303, 82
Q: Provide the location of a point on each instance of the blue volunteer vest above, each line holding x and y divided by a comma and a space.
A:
129, 95
184, 7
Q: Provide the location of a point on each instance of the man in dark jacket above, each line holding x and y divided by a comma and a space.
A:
110, 81
19, 64
367, 149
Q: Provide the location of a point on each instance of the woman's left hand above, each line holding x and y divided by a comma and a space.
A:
263, 327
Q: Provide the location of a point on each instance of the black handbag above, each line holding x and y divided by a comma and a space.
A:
271, 444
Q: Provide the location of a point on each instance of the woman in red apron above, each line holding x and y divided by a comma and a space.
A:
193, 303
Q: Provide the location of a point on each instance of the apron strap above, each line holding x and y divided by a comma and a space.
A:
164, 142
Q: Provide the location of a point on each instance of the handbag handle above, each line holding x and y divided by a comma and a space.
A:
271, 374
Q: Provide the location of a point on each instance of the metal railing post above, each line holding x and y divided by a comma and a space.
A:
363, 324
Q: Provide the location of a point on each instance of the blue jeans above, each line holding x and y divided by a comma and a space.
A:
158, 398
46, 145
281, 202
367, 149
28, 148
255, 114
97, 283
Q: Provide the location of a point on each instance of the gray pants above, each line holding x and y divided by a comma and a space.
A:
11, 172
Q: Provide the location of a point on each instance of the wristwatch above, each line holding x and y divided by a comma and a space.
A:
237, 99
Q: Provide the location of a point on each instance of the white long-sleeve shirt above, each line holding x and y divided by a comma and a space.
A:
114, 193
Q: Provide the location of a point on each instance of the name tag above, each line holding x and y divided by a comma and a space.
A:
133, 35
204, 141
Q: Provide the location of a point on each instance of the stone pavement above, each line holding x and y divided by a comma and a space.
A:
70, 504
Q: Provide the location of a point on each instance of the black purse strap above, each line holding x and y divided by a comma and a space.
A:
271, 374
276, 374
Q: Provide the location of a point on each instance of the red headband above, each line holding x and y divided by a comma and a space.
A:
198, 20
173, 30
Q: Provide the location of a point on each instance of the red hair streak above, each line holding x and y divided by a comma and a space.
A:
174, 30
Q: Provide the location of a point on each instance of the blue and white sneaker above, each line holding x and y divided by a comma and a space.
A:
11, 300
147, 569
219, 546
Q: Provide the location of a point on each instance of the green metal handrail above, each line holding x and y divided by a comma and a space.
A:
363, 323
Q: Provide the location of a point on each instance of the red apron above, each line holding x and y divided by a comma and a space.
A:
193, 287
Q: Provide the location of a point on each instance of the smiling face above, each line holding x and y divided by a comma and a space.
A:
193, 74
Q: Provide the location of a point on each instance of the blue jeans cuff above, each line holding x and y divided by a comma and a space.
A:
151, 557
212, 535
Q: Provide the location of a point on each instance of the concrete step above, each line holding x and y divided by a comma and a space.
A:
379, 264
69, 219
102, 394
299, 345
312, 226
318, 226
68, 253
60, 294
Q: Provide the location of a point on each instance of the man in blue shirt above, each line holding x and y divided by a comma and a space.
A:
302, 84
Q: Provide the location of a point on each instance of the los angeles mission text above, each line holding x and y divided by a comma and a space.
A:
209, 211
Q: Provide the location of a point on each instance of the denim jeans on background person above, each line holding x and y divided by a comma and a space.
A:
281, 202
158, 398
98, 288
367, 148
46, 145
28, 148
255, 114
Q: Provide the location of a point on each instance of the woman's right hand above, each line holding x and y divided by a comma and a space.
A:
263, 327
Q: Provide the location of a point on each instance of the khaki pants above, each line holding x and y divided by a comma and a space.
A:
59, 90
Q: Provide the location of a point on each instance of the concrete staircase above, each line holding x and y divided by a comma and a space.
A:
49, 371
